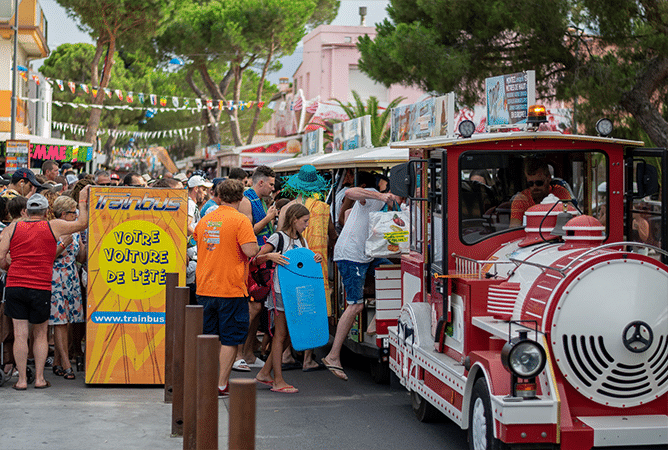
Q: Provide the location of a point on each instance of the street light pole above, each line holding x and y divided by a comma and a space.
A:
15, 76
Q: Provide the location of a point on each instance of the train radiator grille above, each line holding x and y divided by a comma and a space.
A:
597, 374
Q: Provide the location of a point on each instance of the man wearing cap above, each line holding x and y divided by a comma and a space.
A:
31, 245
23, 183
197, 189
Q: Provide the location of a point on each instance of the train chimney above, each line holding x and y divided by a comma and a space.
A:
363, 16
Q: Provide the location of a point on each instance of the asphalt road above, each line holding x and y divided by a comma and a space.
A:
329, 413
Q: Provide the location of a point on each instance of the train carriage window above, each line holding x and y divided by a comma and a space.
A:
494, 192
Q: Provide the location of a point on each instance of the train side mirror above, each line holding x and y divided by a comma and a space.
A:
647, 180
402, 180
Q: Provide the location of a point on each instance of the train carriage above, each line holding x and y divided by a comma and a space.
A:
551, 333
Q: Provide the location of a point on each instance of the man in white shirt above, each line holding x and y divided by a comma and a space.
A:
353, 264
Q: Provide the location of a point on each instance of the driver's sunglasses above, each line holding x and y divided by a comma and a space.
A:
538, 183
104, 184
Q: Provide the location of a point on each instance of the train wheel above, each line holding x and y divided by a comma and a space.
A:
481, 422
380, 372
424, 411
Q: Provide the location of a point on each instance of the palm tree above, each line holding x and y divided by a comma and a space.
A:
380, 129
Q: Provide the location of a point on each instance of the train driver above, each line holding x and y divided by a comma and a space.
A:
539, 186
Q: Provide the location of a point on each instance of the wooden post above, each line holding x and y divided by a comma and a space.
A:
208, 349
181, 299
171, 281
194, 323
242, 414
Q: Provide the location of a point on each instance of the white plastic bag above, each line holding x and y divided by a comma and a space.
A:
388, 234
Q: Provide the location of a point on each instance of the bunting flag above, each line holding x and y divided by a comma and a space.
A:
60, 84
186, 102
250, 104
35, 78
209, 104
260, 105
198, 102
84, 87
141, 97
119, 94
94, 91
175, 102
220, 105
129, 97
154, 99
163, 101
72, 86
108, 92
231, 105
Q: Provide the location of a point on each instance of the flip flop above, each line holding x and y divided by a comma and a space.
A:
266, 383
18, 388
257, 364
240, 365
320, 366
286, 390
336, 370
47, 385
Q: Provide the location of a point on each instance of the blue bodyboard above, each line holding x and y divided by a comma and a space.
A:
303, 290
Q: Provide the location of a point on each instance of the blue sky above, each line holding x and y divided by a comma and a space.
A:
62, 29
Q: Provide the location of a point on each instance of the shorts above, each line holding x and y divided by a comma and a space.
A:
226, 317
33, 305
278, 302
353, 276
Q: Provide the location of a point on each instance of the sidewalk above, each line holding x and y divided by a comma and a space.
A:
75, 416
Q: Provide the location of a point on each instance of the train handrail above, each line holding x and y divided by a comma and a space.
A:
615, 244
562, 271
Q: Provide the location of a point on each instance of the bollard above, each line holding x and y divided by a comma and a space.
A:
242, 415
171, 281
194, 323
181, 299
208, 349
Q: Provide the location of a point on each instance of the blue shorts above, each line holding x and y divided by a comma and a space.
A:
353, 275
226, 317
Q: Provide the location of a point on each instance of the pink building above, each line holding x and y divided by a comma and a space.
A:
329, 68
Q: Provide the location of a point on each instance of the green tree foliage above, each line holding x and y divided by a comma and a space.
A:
612, 57
380, 121
113, 24
245, 34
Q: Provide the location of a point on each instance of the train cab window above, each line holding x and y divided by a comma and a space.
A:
495, 188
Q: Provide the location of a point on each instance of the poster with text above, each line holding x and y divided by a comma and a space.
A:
135, 237
313, 142
352, 134
509, 97
17, 154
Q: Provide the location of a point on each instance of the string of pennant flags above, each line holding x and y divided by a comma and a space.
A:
81, 130
179, 103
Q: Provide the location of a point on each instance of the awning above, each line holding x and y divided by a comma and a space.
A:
61, 150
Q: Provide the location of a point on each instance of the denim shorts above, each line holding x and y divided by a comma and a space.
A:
226, 317
353, 275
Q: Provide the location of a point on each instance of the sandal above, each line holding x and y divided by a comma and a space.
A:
58, 371
69, 374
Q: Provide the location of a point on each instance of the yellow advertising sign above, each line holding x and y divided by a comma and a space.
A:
136, 236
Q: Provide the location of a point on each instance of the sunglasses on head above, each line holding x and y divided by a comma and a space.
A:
538, 183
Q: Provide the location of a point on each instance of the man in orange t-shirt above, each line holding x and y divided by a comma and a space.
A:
225, 242
539, 182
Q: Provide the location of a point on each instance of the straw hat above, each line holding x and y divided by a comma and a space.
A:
306, 181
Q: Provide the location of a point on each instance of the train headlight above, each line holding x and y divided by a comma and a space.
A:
523, 357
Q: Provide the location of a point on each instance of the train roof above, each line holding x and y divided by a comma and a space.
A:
362, 158
507, 136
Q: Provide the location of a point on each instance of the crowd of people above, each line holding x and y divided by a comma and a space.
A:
236, 225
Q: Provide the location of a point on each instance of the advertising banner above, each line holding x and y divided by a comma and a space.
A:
135, 237
352, 134
428, 118
313, 142
17, 155
509, 97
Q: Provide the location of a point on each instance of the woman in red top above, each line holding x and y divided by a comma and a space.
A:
30, 246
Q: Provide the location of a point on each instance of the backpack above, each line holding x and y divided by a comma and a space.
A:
259, 281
